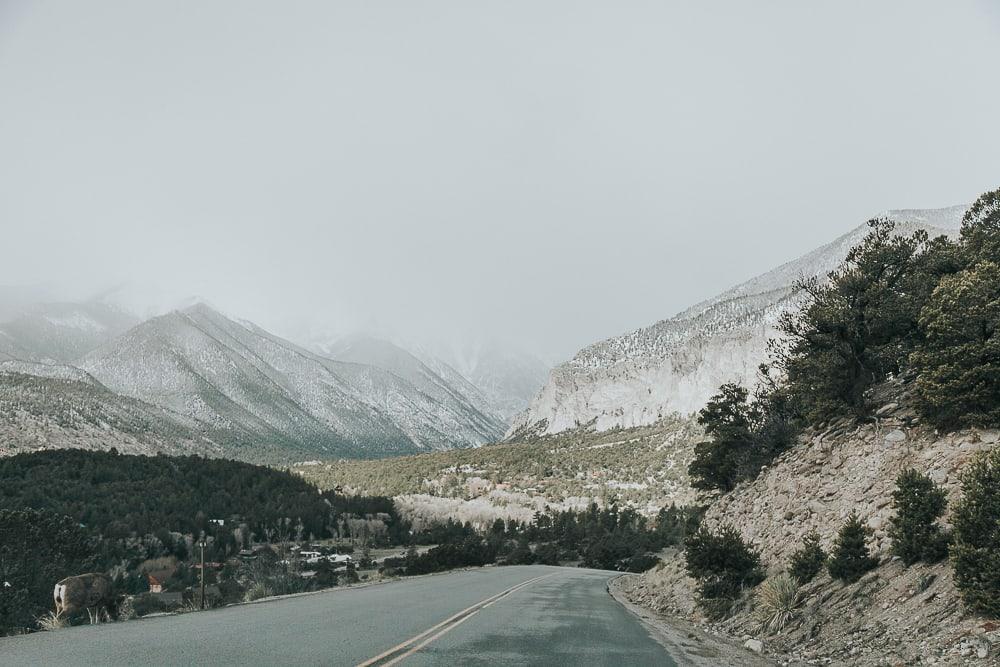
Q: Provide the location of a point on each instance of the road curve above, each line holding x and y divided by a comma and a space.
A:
534, 615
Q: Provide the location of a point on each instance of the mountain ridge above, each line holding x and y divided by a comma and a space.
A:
675, 364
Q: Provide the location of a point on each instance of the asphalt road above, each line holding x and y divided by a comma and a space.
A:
534, 615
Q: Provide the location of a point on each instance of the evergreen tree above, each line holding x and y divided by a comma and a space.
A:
850, 558
724, 565
858, 326
958, 363
745, 435
975, 553
728, 418
914, 531
807, 562
980, 234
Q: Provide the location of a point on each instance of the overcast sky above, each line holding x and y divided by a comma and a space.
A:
550, 172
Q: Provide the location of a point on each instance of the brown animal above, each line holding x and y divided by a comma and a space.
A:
93, 592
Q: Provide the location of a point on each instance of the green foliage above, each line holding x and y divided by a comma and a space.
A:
857, 327
117, 496
914, 530
981, 229
473, 551
958, 364
37, 549
807, 562
745, 435
724, 565
850, 558
975, 553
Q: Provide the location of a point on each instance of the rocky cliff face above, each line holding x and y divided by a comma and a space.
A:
894, 615
676, 364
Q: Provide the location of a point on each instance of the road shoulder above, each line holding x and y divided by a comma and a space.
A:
688, 644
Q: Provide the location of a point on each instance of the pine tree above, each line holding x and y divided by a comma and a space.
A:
981, 228
724, 565
808, 560
919, 502
858, 326
850, 558
958, 363
975, 553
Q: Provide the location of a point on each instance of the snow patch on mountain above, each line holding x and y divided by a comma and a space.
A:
675, 365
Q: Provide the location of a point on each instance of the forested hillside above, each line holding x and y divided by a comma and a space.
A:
116, 495
71, 511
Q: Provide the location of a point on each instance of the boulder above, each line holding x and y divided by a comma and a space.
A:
895, 436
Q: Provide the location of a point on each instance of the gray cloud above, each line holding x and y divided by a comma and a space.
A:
550, 172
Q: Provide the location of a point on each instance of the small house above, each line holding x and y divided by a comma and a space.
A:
155, 584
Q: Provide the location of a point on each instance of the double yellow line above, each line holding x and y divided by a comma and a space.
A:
412, 645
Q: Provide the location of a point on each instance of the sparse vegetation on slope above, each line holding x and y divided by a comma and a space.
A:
645, 468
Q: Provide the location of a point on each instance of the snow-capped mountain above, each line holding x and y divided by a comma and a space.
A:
675, 365
254, 389
499, 379
508, 376
440, 381
61, 332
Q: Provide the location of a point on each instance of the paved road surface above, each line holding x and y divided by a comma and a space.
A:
532, 615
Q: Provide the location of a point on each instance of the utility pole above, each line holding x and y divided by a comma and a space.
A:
202, 545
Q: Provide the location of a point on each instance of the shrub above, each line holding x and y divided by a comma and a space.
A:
257, 591
52, 622
724, 565
850, 558
975, 553
914, 531
641, 562
777, 600
807, 562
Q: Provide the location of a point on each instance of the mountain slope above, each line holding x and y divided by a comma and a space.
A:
676, 364
58, 407
61, 332
508, 377
442, 383
261, 390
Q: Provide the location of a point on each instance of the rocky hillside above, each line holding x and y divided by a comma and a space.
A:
676, 364
894, 615
63, 408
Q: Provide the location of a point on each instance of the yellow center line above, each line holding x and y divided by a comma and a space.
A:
443, 627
